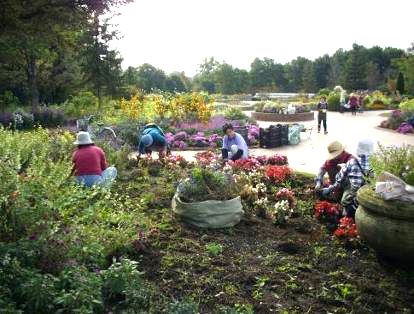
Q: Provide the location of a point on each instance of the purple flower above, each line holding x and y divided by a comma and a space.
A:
180, 136
179, 144
405, 128
169, 137
396, 113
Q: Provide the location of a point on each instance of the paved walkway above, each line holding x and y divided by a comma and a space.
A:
348, 129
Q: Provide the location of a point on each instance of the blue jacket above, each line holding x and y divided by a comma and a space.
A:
157, 137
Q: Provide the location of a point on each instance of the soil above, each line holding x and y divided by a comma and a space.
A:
299, 268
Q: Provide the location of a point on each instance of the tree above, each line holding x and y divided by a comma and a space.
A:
374, 77
264, 74
151, 78
400, 83
175, 83
101, 65
294, 72
322, 68
309, 78
355, 69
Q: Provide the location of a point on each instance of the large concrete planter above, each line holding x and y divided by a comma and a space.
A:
275, 117
386, 226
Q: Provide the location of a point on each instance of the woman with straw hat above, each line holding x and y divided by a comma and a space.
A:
89, 163
336, 157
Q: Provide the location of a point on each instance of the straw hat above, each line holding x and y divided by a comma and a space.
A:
83, 138
335, 149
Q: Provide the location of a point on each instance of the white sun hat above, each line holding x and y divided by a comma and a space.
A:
83, 138
365, 147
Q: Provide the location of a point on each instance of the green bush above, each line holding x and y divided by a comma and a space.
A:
324, 92
334, 102
396, 160
234, 113
206, 184
407, 106
8, 101
183, 307
80, 105
259, 106
123, 285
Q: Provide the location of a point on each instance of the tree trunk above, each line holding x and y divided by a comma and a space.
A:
32, 80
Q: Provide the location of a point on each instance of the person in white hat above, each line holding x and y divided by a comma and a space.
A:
89, 163
352, 176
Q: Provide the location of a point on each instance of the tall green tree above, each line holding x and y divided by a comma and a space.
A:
400, 83
150, 78
309, 78
355, 69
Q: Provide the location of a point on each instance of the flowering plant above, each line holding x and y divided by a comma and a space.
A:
281, 212
277, 159
248, 164
325, 209
199, 139
405, 128
179, 144
206, 158
278, 174
174, 161
180, 136
287, 195
214, 140
346, 229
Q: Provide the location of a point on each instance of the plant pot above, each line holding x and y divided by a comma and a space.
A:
386, 226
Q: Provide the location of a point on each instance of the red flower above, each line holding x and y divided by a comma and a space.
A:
245, 164
346, 229
278, 174
326, 209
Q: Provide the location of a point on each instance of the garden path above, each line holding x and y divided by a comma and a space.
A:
348, 129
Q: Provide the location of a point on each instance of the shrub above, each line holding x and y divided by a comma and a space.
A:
396, 160
207, 184
48, 117
82, 104
407, 106
234, 113
123, 284
334, 102
183, 307
8, 101
6, 119
260, 106
324, 92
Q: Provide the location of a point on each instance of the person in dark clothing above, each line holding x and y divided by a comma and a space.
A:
322, 112
353, 103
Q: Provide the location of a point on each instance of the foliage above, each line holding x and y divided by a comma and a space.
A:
407, 106
133, 108
214, 249
8, 101
80, 105
48, 117
325, 210
207, 184
183, 307
334, 101
234, 113
398, 161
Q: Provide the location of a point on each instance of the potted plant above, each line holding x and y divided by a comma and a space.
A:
208, 199
387, 225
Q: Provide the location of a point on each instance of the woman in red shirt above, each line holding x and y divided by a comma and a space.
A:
89, 163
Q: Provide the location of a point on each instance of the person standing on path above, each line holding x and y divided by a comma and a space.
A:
353, 103
322, 112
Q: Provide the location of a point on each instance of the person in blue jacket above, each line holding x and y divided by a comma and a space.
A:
153, 138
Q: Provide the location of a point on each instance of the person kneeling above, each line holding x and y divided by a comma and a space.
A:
353, 175
89, 163
234, 145
153, 137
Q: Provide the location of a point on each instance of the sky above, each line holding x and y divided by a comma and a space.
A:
177, 35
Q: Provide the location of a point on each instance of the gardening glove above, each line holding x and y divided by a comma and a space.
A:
326, 191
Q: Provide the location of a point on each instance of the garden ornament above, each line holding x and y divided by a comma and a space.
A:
83, 138
147, 140
335, 149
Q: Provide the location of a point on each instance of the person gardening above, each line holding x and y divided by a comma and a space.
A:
337, 157
153, 138
322, 111
234, 145
89, 163
352, 177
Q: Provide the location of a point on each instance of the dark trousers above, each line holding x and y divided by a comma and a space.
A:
322, 118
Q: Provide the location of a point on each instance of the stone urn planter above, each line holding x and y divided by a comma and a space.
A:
386, 226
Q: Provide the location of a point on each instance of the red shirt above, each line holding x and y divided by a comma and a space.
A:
89, 160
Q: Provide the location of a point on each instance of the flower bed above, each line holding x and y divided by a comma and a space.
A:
275, 117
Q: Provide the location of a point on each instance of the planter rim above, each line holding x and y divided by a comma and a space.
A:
371, 202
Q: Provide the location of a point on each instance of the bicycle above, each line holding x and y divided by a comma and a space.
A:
103, 133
